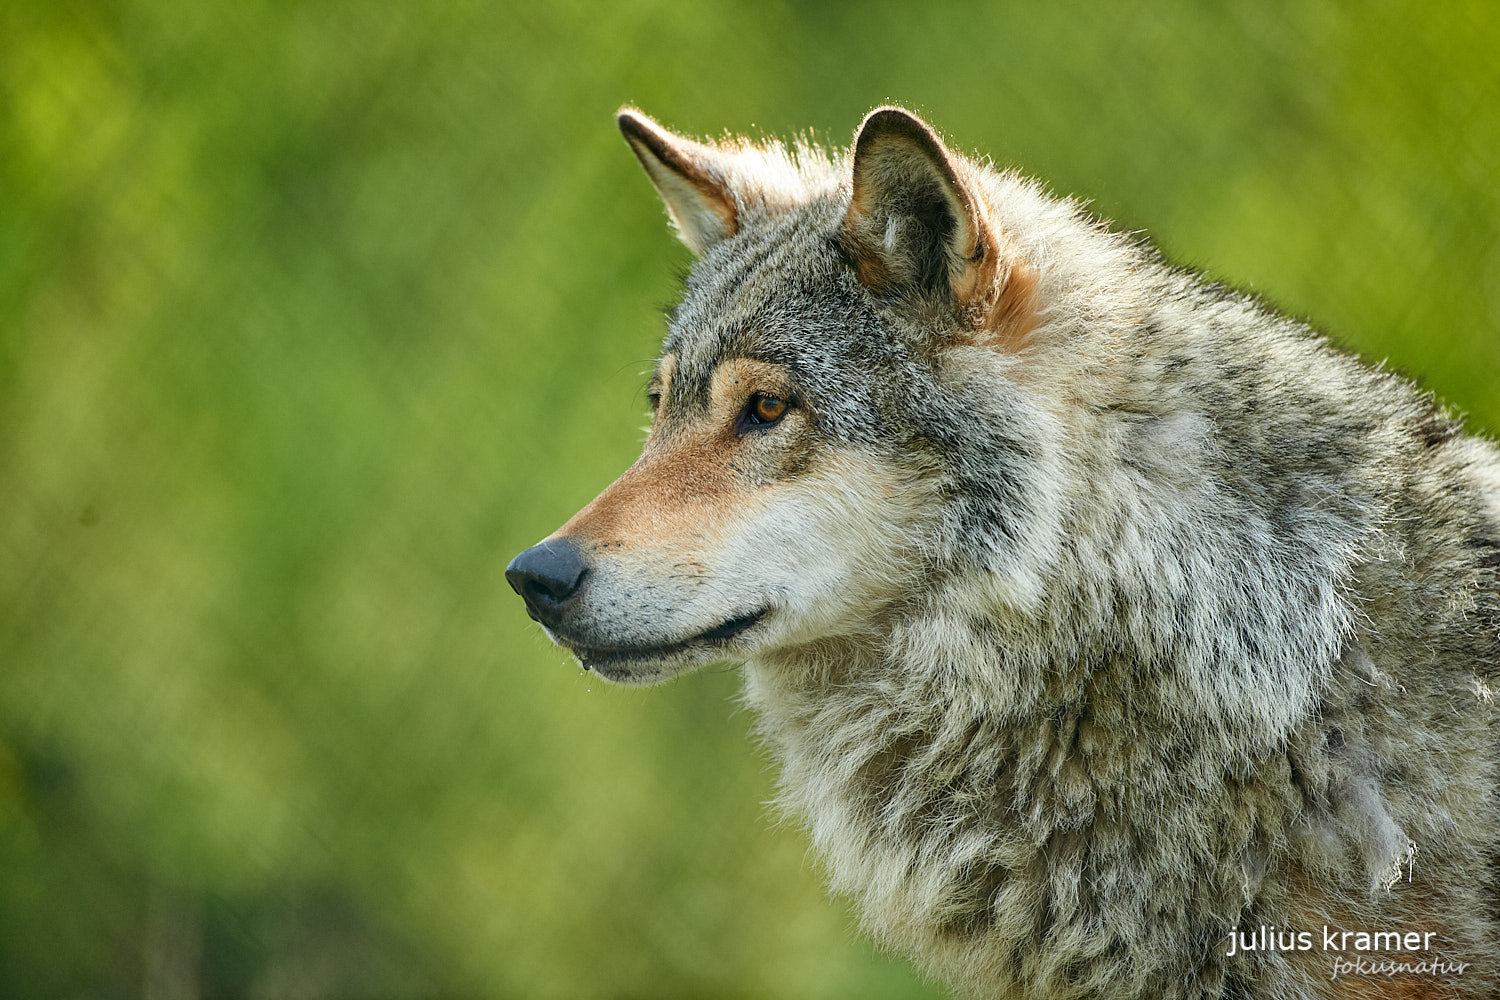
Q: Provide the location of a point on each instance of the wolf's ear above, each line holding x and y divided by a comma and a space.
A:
686, 176
915, 222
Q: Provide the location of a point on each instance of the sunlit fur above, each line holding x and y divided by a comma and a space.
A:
1100, 621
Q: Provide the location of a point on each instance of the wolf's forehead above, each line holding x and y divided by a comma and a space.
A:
780, 293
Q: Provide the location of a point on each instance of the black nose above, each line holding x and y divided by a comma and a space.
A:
546, 575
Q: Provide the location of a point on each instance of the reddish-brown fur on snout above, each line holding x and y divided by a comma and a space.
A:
683, 489
689, 484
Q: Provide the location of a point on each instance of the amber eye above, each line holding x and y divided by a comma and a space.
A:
765, 409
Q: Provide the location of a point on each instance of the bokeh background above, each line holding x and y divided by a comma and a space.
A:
313, 314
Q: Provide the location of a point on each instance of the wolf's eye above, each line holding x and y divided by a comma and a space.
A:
765, 409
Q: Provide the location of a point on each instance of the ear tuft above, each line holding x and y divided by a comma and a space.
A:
688, 178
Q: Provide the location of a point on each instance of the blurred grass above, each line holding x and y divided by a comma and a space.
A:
311, 315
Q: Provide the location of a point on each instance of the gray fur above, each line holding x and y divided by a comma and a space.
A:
1183, 620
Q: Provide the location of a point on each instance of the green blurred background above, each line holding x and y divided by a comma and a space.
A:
312, 315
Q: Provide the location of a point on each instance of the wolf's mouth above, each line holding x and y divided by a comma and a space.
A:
592, 655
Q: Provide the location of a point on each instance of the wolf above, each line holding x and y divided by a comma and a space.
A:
1116, 636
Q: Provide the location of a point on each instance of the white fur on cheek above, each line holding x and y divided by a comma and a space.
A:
831, 549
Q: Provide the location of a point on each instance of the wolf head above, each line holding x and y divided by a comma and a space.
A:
812, 443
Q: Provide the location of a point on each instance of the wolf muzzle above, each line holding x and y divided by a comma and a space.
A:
548, 576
